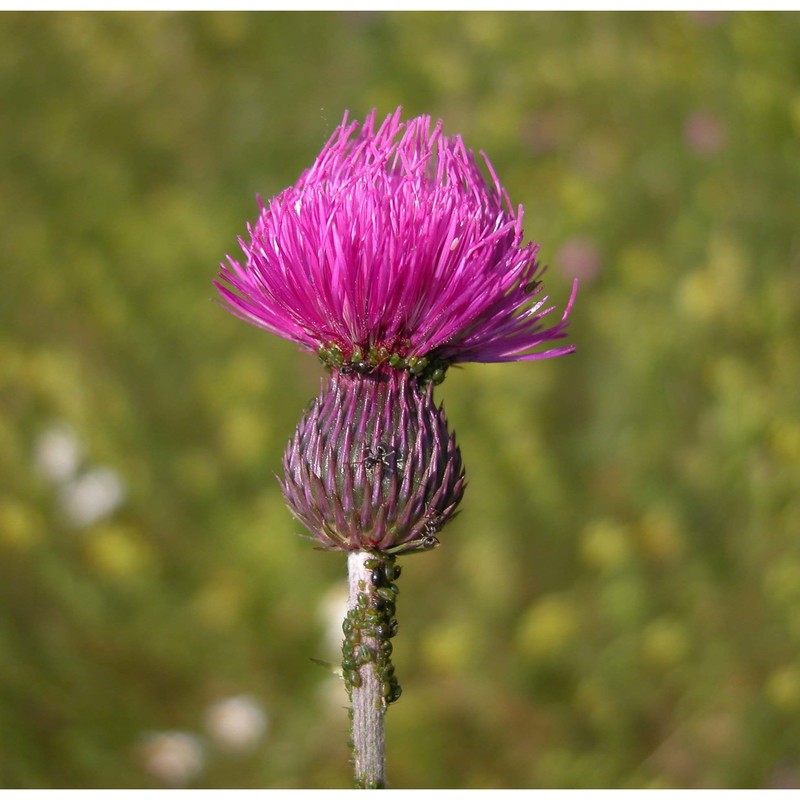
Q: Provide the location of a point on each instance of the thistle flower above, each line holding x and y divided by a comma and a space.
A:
372, 465
392, 258
394, 248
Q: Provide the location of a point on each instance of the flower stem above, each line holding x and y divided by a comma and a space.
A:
368, 705
367, 666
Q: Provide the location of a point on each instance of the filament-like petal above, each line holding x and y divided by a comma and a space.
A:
394, 241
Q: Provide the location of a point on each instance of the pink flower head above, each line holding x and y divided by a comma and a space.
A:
393, 247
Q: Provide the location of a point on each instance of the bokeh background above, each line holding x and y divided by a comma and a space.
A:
618, 605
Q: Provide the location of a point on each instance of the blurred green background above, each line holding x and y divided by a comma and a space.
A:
618, 605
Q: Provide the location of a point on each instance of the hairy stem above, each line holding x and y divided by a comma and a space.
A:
368, 708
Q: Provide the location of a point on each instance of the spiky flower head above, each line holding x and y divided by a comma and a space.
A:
372, 465
394, 248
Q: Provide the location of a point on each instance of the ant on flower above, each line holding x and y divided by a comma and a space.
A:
360, 367
432, 526
382, 455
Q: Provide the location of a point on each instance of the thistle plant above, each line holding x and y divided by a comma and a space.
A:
393, 257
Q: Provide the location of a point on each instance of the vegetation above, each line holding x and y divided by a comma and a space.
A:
618, 605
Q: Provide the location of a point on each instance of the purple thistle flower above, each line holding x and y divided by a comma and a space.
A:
394, 248
372, 465
392, 257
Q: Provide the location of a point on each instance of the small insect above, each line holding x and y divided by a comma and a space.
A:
348, 664
361, 367
354, 678
384, 606
372, 615
432, 526
377, 577
364, 654
352, 636
387, 672
386, 593
531, 287
383, 456
357, 363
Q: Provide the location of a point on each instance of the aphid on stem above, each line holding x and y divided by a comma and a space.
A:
377, 577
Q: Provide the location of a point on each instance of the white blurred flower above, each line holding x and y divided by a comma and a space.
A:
57, 452
332, 611
173, 758
237, 724
332, 699
91, 496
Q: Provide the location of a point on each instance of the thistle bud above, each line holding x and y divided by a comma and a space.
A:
372, 465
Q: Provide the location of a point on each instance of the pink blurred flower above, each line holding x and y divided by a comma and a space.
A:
394, 243
704, 134
709, 18
579, 258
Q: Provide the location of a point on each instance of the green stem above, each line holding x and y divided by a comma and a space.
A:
367, 665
